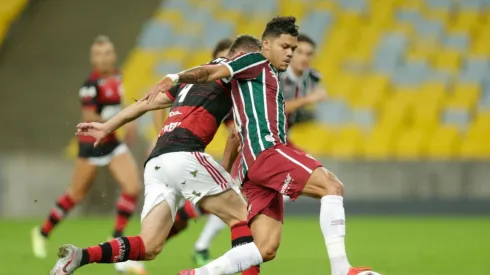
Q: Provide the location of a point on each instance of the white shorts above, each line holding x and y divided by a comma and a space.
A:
172, 177
106, 159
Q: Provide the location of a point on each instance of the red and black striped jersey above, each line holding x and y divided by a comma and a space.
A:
195, 116
103, 95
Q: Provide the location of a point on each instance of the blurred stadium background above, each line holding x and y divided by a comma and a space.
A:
406, 126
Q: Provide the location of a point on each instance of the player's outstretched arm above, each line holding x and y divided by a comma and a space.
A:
196, 75
130, 113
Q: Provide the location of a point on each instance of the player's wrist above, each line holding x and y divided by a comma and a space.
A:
173, 77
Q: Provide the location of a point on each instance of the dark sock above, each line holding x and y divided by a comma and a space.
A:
117, 250
64, 204
125, 208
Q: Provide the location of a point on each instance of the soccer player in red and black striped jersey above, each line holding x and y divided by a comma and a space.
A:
176, 169
100, 97
268, 167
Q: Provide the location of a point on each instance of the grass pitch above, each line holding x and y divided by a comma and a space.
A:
391, 245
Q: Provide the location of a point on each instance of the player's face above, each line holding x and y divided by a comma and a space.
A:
280, 50
103, 57
223, 53
302, 56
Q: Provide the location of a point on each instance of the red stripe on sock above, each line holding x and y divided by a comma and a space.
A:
116, 250
239, 230
254, 270
190, 210
94, 254
137, 252
127, 202
66, 202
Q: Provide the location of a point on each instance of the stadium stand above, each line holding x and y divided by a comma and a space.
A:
9, 11
406, 79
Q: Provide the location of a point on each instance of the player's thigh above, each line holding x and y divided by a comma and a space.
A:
283, 169
125, 171
229, 206
203, 181
322, 183
267, 233
83, 177
155, 228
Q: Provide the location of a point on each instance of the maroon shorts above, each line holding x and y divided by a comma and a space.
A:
277, 171
234, 169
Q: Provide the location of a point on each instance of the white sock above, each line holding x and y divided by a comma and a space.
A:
332, 223
235, 260
213, 226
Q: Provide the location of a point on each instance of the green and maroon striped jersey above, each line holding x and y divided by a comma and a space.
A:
258, 106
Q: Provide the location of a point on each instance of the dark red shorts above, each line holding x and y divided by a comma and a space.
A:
277, 171
234, 169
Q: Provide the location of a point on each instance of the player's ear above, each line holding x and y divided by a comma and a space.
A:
266, 44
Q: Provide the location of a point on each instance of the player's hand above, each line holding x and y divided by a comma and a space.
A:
318, 96
92, 129
164, 85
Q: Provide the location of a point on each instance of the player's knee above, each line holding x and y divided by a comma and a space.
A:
133, 189
323, 183
268, 251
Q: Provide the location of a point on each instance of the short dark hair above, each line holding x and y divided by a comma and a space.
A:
281, 25
245, 42
305, 38
222, 45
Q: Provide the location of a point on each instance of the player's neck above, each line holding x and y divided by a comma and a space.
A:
106, 73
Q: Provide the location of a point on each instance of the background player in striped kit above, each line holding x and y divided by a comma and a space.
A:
268, 167
101, 97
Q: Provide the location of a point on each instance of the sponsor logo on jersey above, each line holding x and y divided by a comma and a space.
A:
170, 127
176, 113
285, 185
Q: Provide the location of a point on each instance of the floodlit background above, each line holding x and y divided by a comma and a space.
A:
406, 126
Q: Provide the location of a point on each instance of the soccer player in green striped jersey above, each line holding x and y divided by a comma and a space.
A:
270, 169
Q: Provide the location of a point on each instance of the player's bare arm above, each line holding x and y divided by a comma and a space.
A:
130, 113
231, 150
319, 94
196, 75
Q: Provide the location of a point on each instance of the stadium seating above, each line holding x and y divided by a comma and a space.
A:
9, 11
406, 79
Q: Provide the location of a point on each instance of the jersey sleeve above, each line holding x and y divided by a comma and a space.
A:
88, 94
315, 77
173, 92
247, 66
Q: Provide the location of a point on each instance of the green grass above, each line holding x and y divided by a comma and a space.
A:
393, 246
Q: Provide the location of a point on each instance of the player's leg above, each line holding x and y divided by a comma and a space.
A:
309, 178
157, 217
213, 226
83, 177
211, 187
188, 211
124, 170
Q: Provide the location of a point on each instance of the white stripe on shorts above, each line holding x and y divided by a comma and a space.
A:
294, 161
